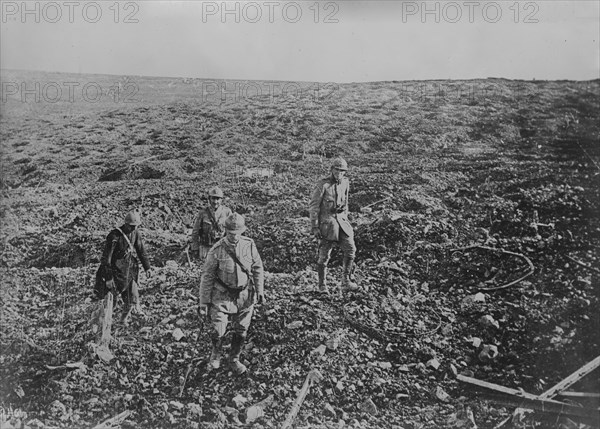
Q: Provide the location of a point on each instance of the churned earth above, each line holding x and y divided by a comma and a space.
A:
475, 205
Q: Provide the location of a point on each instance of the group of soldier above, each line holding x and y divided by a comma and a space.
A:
232, 280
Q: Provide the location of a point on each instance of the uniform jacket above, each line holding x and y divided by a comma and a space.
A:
220, 264
205, 231
120, 263
329, 208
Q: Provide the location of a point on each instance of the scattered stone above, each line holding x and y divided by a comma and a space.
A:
328, 411
257, 411
488, 352
57, 409
295, 325
195, 409
433, 363
177, 405
178, 334
369, 407
441, 394
239, 401
319, 351
488, 321
333, 343
384, 365
453, 370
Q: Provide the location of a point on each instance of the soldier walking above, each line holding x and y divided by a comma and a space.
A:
121, 264
208, 227
232, 282
329, 219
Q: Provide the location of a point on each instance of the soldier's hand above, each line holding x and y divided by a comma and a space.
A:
110, 285
317, 232
261, 299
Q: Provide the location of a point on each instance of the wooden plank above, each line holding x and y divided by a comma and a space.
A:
107, 320
572, 379
586, 415
579, 394
561, 386
497, 387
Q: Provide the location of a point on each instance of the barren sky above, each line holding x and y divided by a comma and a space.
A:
337, 41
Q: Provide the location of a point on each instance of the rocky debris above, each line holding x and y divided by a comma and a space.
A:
457, 174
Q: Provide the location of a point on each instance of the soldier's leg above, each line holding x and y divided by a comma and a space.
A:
127, 296
349, 250
325, 247
135, 298
219, 320
241, 323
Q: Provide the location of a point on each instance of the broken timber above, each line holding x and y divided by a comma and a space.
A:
101, 326
543, 402
562, 385
313, 376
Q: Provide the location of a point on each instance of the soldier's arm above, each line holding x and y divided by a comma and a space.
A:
315, 204
258, 274
196, 232
141, 251
207, 281
107, 255
346, 195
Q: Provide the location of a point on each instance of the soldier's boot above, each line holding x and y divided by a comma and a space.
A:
215, 355
347, 283
322, 272
237, 342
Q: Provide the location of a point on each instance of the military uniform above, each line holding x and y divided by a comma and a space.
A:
206, 232
121, 264
230, 293
329, 214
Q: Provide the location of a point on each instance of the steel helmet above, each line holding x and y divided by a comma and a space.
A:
133, 218
340, 164
235, 223
215, 192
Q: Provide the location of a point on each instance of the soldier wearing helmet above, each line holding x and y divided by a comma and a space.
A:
232, 282
124, 246
329, 219
208, 227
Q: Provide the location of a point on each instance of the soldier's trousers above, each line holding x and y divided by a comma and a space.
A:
130, 296
345, 242
227, 311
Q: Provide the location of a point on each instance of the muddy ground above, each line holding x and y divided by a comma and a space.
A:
481, 180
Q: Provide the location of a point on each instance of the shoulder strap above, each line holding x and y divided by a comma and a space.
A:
237, 261
127, 239
212, 217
